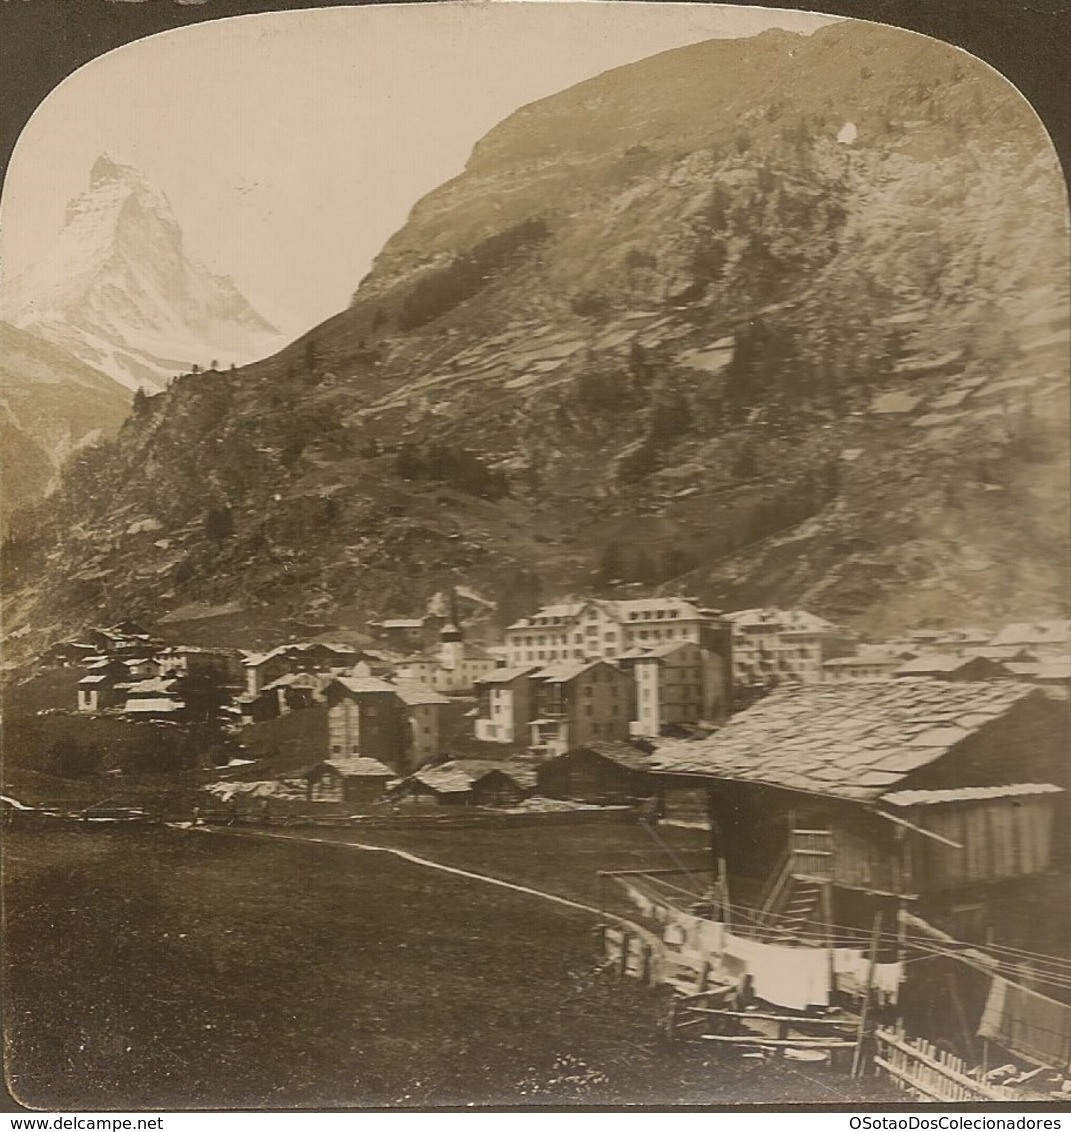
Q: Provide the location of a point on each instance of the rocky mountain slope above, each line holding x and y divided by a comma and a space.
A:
119, 290
780, 320
51, 405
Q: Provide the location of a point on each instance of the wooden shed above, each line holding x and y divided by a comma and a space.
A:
347, 780
604, 773
499, 784
443, 785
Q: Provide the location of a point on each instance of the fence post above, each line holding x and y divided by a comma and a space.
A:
857, 1060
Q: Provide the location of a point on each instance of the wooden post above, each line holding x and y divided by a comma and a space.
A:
857, 1060
622, 966
723, 891
701, 981
961, 1017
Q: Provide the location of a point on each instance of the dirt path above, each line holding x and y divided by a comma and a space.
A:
425, 862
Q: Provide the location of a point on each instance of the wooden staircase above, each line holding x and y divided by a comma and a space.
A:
800, 907
793, 900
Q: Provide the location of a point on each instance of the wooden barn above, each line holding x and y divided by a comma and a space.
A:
949, 796
445, 785
347, 780
499, 784
603, 773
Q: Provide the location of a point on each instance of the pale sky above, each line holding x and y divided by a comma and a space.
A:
291, 145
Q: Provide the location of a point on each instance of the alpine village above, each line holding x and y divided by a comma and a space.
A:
623, 656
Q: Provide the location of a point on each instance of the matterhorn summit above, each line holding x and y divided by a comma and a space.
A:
119, 291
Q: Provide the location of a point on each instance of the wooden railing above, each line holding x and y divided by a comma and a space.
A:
929, 1073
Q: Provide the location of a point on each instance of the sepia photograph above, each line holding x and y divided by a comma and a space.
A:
534, 559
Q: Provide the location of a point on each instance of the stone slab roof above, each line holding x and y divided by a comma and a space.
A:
848, 740
361, 767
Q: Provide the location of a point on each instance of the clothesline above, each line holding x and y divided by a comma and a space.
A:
1051, 971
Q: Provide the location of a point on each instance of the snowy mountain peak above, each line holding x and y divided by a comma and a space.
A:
119, 291
107, 168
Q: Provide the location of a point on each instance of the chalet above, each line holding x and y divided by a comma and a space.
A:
1041, 638
446, 785
67, 653
675, 684
943, 794
604, 773
366, 717
143, 668
578, 703
300, 656
297, 690
123, 639
499, 784
426, 710
454, 668
864, 666
504, 705
406, 634
98, 691
347, 780
153, 699
224, 666
949, 666
956, 640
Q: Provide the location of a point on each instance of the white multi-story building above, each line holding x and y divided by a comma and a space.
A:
785, 645
647, 638
604, 630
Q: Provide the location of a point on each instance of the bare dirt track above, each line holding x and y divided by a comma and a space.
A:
155, 968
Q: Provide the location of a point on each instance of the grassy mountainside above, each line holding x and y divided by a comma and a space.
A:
652, 335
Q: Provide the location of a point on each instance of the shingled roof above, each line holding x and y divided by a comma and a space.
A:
447, 778
624, 754
360, 766
853, 741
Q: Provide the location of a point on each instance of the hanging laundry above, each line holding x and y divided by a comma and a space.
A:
710, 937
674, 935
851, 968
794, 977
1027, 1023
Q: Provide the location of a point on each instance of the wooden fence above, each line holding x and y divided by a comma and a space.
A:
929, 1073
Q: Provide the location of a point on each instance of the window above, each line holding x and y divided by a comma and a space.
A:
336, 749
355, 749
588, 710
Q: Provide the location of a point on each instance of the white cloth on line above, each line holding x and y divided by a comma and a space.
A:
793, 977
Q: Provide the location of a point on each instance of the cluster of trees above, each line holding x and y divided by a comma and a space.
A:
668, 417
646, 565
440, 291
458, 467
518, 592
